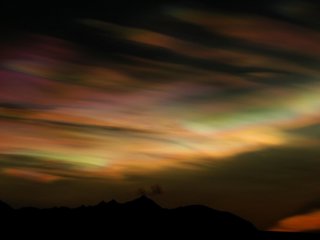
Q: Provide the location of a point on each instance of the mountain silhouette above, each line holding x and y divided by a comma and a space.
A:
142, 203
103, 206
140, 218
4, 207
219, 219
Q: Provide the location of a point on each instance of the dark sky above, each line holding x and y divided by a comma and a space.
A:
213, 102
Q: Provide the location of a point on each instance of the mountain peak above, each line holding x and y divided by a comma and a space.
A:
4, 206
102, 204
113, 202
143, 202
144, 199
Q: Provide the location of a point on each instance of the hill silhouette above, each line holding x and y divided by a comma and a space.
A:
4, 207
140, 218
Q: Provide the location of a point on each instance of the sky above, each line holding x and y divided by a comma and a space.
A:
205, 102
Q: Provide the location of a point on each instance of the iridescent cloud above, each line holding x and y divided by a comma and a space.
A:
185, 88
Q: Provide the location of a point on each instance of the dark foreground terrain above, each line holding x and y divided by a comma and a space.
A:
141, 218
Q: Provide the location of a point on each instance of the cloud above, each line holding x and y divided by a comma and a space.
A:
153, 190
156, 190
45, 167
22, 106
257, 30
214, 102
299, 223
31, 174
306, 218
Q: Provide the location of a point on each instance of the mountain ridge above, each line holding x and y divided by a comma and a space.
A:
139, 216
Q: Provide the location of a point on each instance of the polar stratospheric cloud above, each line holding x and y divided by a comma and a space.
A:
217, 105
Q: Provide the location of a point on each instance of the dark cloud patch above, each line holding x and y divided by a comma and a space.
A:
23, 106
17, 108
184, 31
279, 167
264, 186
77, 126
311, 131
153, 190
93, 128
299, 12
278, 180
113, 48
202, 37
124, 11
309, 207
156, 190
117, 46
280, 77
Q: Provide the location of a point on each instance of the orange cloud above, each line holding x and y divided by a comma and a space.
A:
32, 175
299, 223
